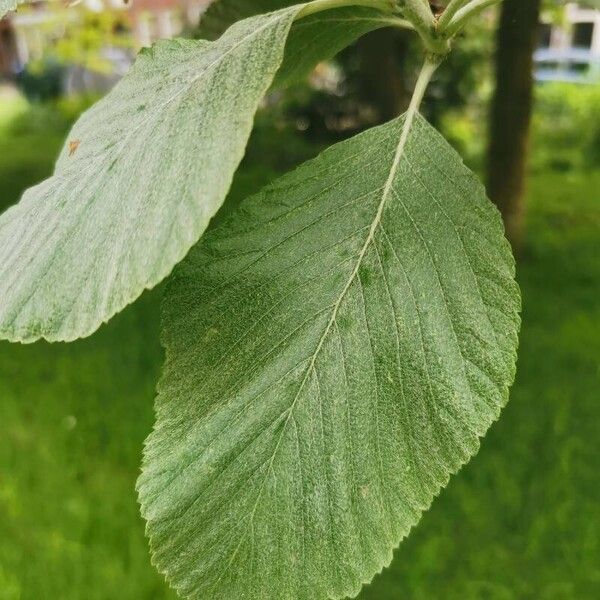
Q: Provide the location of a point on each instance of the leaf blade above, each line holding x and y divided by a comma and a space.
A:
142, 173
333, 355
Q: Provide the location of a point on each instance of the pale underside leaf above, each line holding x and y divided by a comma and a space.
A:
140, 176
311, 40
335, 350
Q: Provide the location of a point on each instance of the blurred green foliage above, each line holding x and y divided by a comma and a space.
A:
521, 522
30, 138
76, 35
73, 36
26, 149
566, 127
42, 81
87, 34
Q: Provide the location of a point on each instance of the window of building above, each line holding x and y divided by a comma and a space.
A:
544, 35
582, 35
579, 68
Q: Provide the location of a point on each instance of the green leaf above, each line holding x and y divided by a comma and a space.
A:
140, 176
334, 352
312, 40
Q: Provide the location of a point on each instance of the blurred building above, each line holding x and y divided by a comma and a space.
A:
570, 50
160, 19
29, 33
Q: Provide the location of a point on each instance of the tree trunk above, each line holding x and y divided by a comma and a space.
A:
511, 111
381, 75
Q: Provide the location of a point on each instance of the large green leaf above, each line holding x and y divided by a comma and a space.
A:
335, 350
140, 177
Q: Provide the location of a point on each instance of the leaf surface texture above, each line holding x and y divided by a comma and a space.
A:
312, 39
141, 175
335, 350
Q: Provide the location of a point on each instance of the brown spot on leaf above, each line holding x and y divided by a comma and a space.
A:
73, 145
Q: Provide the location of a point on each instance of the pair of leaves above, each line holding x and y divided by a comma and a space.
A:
144, 171
335, 349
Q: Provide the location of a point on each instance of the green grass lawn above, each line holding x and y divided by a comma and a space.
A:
29, 141
521, 521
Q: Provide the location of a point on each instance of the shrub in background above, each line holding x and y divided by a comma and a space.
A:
566, 129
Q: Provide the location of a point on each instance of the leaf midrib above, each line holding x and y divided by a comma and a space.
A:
336, 306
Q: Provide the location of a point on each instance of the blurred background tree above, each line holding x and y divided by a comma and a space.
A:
517, 39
